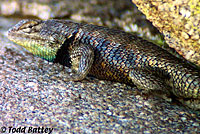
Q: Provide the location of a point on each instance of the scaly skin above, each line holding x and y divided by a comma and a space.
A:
111, 55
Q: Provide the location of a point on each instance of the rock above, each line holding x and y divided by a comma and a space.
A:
179, 21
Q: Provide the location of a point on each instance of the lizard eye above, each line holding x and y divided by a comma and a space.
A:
28, 29
30, 26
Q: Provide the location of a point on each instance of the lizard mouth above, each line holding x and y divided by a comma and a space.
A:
16, 36
10, 34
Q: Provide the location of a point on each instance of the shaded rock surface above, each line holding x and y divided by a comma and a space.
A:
179, 22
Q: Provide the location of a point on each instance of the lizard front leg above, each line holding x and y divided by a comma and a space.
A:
82, 57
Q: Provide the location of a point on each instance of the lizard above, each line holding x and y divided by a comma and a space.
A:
109, 54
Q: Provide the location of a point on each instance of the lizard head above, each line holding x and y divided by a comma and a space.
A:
37, 37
